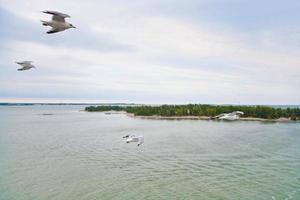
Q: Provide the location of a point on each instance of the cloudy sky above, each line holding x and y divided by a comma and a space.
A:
153, 51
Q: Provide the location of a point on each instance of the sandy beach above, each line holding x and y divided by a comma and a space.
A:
156, 117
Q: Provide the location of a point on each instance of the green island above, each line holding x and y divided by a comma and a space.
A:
203, 110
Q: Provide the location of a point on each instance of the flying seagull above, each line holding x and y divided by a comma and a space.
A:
133, 138
58, 22
26, 65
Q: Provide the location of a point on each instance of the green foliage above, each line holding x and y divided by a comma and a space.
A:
265, 112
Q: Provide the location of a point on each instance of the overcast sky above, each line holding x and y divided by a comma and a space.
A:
153, 51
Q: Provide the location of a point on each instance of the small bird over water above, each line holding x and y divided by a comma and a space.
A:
58, 22
133, 138
26, 65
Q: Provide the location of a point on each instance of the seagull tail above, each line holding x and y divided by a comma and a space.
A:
44, 23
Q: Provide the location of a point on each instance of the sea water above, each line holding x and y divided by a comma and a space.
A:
62, 153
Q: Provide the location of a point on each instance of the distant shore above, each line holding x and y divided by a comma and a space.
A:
158, 117
202, 112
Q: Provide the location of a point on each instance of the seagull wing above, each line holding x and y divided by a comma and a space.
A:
27, 62
53, 30
25, 68
24, 62
57, 16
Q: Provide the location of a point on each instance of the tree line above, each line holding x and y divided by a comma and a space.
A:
265, 112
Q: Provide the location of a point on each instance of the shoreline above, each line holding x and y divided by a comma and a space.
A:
157, 117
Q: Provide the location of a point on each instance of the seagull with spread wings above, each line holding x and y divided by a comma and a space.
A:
58, 22
133, 138
26, 65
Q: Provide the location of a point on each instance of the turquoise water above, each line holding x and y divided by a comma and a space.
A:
68, 155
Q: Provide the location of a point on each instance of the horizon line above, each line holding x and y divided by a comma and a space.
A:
95, 103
